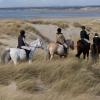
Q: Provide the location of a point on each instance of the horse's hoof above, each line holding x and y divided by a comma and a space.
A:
77, 56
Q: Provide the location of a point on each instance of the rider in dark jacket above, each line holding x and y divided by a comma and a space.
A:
21, 39
22, 43
84, 36
96, 39
83, 33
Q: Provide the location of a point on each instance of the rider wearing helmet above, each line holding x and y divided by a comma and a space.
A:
83, 33
22, 43
96, 39
84, 36
21, 39
60, 39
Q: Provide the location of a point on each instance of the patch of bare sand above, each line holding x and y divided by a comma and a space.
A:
11, 92
49, 31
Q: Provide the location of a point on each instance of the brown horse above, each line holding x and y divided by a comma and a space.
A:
58, 49
81, 48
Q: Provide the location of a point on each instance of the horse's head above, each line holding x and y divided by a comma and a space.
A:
37, 43
70, 43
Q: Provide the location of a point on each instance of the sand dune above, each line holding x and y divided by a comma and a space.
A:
60, 79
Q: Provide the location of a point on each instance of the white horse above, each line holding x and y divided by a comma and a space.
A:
16, 54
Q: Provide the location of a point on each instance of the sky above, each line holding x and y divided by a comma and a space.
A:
34, 3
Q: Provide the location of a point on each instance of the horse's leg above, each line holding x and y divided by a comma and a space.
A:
63, 56
60, 56
48, 55
84, 55
15, 61
51, 54
94, 53
51, 57
31, 56
30, 61
79, 53
88, 55
14, 58
97, 53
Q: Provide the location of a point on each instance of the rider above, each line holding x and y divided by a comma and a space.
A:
60, 39
96, 39
84, 36
22, 43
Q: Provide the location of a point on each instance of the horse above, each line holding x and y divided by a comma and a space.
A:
95, 51
58, 49
81, 48
17, 55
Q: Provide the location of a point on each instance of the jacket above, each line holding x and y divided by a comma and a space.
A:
84, 35
21, 41
96, 40
60, 38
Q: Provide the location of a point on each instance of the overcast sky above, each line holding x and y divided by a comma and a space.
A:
22, 3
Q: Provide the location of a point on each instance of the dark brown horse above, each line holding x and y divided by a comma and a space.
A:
81, 48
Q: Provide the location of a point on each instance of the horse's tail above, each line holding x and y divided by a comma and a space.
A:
5, 57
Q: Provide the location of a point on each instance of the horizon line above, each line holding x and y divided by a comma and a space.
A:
76, 6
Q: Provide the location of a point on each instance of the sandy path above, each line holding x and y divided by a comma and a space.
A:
49, 31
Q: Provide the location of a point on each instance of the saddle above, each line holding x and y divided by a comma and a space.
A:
26, 50
64, 47
85, 43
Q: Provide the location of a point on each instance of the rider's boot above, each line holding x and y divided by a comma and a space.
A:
65, 47
27, 54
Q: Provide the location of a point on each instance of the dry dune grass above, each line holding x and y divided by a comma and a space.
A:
91, 24
59, 79
61, 24
77, 24
12, 27
48, 80
3, 44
